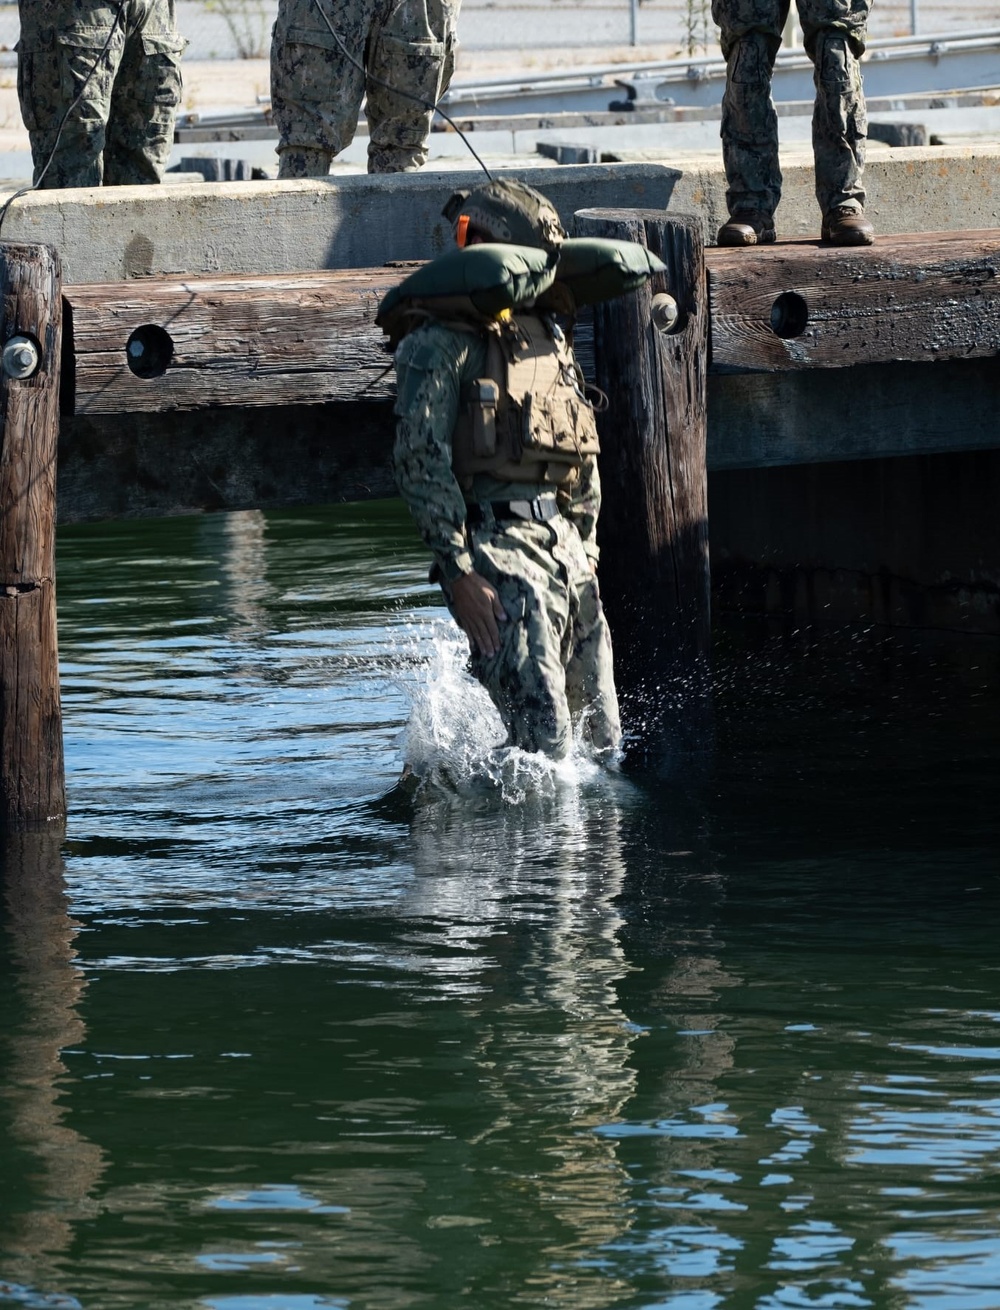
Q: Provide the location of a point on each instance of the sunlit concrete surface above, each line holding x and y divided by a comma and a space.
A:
356, 221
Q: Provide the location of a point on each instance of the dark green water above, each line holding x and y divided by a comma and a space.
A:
274, 1040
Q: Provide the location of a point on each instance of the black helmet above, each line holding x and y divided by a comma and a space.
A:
509, 211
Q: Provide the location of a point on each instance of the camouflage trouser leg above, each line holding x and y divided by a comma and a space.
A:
144, 100
590, 683
834, 33
750, 34
316, 90
123, 64
835, 39
412, 48
750, 129
554, 667
54, 57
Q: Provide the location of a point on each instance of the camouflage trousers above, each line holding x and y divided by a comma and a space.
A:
119, 120
398, 49
834, 33
553, 672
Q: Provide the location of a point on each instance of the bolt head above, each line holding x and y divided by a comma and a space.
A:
664, 311
20, 358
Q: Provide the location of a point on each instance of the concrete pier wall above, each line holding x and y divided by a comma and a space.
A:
357, 221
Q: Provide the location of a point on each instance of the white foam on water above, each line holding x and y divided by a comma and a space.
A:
454, 739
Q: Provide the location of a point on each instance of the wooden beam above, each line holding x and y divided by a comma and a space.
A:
32, 781
114, 466
161, 344
653, 528
921, 297
188, 343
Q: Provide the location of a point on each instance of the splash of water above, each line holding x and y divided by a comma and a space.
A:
453, 741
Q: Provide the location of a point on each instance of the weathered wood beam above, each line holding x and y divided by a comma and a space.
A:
186, 343
799, 304
654, 521
152, 465
32, 779
135, 465
161, 344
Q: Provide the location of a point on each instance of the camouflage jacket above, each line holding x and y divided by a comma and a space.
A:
434, 364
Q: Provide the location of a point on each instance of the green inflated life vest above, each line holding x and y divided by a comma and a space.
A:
593, 269
479, 283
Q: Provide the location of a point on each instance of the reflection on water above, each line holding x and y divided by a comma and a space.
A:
42, 988
551, 1045
278, 1035
237, 542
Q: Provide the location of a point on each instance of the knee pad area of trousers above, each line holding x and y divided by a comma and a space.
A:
751, 60
835, 61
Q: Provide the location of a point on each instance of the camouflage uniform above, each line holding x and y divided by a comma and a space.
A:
553, 668
835, 33
316, 91
121, 132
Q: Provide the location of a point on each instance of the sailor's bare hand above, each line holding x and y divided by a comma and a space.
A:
478, 610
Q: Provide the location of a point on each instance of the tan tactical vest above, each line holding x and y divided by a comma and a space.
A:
527, 420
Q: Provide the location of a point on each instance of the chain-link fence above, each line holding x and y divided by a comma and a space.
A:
215, 29
241, 29
228, 29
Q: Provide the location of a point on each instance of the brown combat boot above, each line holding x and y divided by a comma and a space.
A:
845, 226
747, 229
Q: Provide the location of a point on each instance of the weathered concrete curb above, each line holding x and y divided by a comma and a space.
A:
106, 235
356, 221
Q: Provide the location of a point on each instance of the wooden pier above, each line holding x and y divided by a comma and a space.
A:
175, 348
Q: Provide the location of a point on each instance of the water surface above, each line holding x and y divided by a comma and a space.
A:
274, 1037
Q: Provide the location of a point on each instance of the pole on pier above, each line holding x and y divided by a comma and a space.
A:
652, 364
32, 782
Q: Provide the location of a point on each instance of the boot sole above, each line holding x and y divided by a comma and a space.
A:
854, 239
736, 241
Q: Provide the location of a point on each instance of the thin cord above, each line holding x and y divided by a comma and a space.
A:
398, 90
65, 118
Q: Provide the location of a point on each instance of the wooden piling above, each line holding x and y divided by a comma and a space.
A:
653, 529
32, 783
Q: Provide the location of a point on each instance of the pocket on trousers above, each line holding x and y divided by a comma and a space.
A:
318, 37
308, 65
39, 87
413, 65
84, 62
515, 607
173, 46
836, 66
751, 67
162, 69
